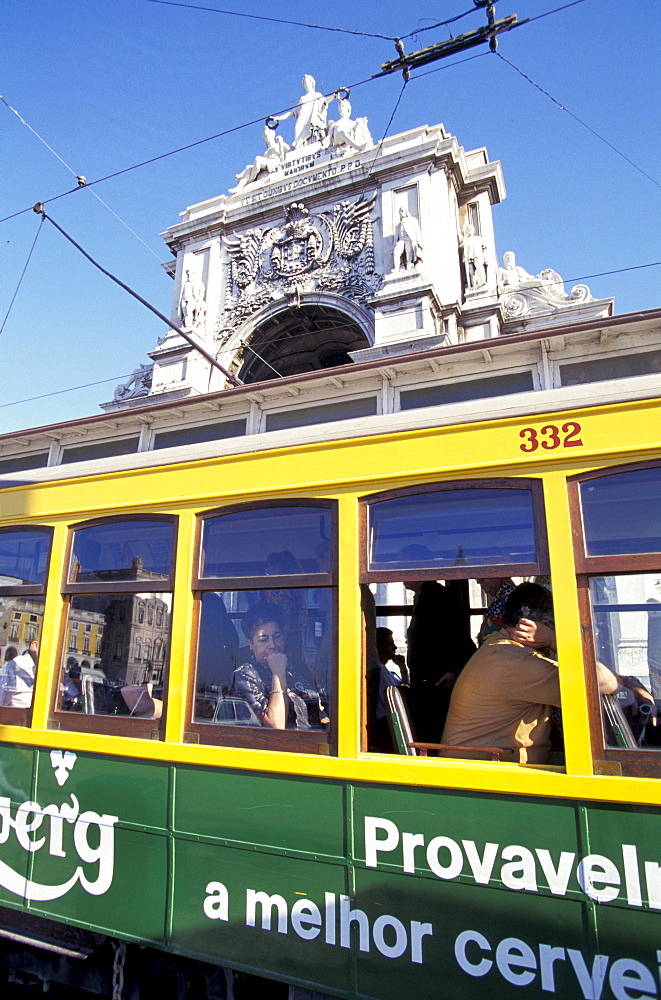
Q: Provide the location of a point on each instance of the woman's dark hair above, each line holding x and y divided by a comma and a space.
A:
258, 615
528, 600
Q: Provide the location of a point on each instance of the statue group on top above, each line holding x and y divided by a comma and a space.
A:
311, 127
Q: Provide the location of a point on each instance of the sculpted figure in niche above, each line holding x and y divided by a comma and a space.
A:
270, 160
310, 114
511, 275
473, 253
192, 307
345, 132
408, 244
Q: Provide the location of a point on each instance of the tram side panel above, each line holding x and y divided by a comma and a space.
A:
356, 890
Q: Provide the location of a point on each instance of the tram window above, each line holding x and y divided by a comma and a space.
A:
24, 556
265, 657
603, 502
617, 515
119, 589
242, 543
122, 552
455, 547
127, 678
448, 529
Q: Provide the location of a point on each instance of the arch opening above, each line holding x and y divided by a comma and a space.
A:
299, 340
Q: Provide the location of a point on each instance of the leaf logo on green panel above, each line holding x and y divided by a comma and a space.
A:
64, 835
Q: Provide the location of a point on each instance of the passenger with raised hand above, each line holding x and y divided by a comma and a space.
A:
506, 692
263, 680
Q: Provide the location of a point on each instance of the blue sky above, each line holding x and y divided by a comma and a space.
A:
110, 84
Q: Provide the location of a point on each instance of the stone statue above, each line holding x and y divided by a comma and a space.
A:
472, 251
345, 132
270, 160
408, 244
511, 275
524, 294
139, 384
192, 307
310, 114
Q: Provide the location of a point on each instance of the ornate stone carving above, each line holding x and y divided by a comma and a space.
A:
524, 294
139, 384
331, 251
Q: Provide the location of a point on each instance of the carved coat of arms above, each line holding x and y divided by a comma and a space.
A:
298, 247
331, 251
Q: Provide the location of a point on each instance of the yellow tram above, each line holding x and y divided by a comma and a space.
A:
145, 801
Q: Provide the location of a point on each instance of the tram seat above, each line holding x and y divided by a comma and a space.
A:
402, 733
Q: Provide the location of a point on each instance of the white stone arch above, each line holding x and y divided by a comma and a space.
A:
349, 321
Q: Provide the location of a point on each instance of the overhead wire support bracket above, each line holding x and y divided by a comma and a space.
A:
412, 60
232, 379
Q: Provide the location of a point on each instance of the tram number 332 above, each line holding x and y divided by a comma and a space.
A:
550, 436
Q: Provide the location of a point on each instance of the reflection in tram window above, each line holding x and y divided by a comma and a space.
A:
607, 532
119, 594
626, 613
20, 627
24, 556
477, 527
124, 656
264, 659
122, 552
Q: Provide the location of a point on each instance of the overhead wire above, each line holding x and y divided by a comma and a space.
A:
39, 209
20, 280
60, 392
384, 136
171, 152
585, 125
254, 121
81, 181
261, 118
274, 20
441, 24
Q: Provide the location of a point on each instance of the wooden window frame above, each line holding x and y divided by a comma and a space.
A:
540, 567
112, 725
250, 737
28, 589
123, 587
23, 716
634, 763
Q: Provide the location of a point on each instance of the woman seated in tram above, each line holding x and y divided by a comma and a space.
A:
265, 681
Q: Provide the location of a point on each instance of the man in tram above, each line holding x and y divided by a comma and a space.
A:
505, 694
